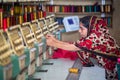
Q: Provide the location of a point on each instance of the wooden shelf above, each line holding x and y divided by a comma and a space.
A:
33, 0
63, 14
11, 1
81, 0
6, 1
78, 2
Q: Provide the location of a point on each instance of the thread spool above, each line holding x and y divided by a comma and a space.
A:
25, 17
35, 16
20, 19
1, 18
12, 11
34, 8
109, 8
28, 17
21, 10
19, 47
26, 10
30, 35
4, 48
41, 14
8, 21
17, 41
31, 41
102, 8
106, 8
74, 70
38, 32
30, 9
32, 16
39, 36
44, 14
4, 23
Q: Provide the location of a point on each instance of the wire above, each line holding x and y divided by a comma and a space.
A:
108, 56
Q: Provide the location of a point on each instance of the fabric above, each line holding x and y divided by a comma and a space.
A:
59, 53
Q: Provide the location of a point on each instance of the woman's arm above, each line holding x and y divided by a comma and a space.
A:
51, 41
65, 46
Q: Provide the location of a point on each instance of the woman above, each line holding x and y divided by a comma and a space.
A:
95, 37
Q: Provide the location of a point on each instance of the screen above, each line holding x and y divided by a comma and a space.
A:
70, 21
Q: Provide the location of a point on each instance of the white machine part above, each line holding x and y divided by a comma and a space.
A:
71, 23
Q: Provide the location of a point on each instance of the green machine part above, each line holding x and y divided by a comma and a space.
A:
37, 49
58, 33
1, 73
36, 52
27, 53
44, 44
15, 67
27, 60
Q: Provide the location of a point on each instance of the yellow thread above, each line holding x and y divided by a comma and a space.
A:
73, 70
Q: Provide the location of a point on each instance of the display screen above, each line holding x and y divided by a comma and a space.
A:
70, 21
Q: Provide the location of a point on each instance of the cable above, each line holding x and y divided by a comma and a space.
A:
108, 56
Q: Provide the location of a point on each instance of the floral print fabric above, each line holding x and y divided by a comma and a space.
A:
99, 40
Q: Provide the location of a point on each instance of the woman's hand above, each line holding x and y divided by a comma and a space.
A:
49, 36
50, 40
53, 42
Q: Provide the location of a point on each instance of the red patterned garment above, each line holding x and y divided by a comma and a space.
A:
99, 40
